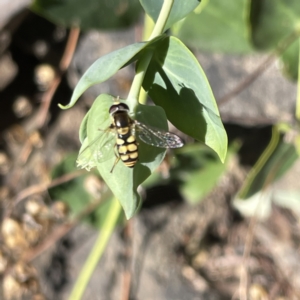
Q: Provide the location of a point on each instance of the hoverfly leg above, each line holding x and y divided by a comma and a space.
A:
117, 158
116, 161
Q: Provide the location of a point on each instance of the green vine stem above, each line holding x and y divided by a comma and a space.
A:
162, 19
298, 87
148, 28
261, 162
143, 64
106, 231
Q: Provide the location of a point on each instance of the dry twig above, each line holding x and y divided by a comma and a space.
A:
63, 66
259, 70
59, 232
39, 188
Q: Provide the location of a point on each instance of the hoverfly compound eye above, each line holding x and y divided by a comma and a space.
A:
123, 107
118, 107
113, 109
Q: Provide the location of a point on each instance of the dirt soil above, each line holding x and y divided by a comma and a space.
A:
176, 251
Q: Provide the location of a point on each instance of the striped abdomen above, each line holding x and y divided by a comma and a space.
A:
126, 143
127, 150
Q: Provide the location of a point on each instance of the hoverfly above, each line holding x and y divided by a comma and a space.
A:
119, 139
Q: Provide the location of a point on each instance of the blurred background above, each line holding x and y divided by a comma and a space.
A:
205, 230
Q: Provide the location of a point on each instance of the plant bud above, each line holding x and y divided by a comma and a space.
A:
93, 186
23, 272
33, 207
13, 235
11, 288
32, 229
59, 210
22, 107
3, 262
44, 76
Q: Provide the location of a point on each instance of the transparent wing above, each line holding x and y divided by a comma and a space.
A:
99, 150
157, 138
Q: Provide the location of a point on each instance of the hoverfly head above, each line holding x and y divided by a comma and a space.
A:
118, 107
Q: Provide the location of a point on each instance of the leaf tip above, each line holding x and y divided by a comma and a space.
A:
223, 157
64, 107
131, 210
129, 213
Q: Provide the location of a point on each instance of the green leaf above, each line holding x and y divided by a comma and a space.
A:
202, 182
88, 14
176, 82
76, 194
124, 181
204, 171
290, 60
220, 26
108, 65
83, 128
276, 160
297, 144
179, 10
274, 21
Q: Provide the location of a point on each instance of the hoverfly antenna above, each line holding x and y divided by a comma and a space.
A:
116, 100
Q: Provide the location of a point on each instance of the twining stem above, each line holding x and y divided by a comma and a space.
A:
99, 247
148, 27
298, 86
143, 64
147, 30
162, 19
136, 86
261, 162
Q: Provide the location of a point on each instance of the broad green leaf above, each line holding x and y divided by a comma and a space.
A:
290, 59
76, 194
179, 10
221, 26
201, 182
272, 165
176, 82
88, 14
297, 144
203, 173
124, 181
83, 128
273, 22
108, 65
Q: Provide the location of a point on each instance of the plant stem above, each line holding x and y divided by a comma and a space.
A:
298, 87
148, 27
97, 251
143, 64
136, 86
260, 163
147, 30
162, 19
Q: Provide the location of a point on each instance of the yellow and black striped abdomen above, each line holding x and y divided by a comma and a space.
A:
126, 142
127, 149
